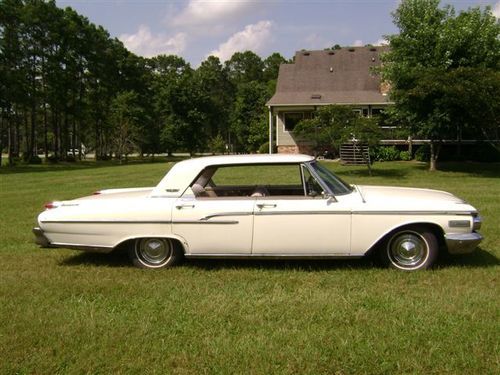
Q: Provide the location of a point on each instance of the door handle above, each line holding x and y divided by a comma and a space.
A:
181, 206
266, 205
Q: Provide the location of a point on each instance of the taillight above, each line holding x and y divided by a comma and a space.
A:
50, 205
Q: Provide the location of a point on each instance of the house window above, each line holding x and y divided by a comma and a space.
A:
377, 111
291, 119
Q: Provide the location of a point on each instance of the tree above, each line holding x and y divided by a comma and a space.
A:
244, 67
124, 116
272, 66
436, 67
218, 93
334, 125
11, 82
248, 120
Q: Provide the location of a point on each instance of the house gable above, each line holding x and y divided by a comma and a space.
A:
345, 76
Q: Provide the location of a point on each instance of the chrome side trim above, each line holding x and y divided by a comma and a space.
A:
204, 221
92, 248
272, 213
201, 221
222, 214
107, 222
273, 256
462, 243
458, 213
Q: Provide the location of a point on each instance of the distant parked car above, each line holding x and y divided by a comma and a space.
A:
76, 152
263, 206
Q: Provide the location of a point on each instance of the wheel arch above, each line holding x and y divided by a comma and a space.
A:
177, 241
436, 229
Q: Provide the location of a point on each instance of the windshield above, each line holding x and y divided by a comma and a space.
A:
334, 183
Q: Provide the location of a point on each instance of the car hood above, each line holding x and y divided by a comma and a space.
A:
402, 198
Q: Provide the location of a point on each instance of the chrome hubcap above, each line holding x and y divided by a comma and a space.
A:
154, 251
408, 250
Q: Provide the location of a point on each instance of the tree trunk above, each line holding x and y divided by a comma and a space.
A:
96, 139
55, 125
73, 137
45, 132
64, 136
27, 145
32, 151
10, 141
435, 148
1, 136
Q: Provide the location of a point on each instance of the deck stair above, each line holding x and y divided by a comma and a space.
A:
354, 154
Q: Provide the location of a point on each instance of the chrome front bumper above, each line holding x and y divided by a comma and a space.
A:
462, 243
40, 238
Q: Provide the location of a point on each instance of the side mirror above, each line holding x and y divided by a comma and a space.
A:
330, 198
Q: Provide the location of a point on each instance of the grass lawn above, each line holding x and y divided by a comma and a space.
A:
63, 311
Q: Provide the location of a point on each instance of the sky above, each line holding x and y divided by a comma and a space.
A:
195, 29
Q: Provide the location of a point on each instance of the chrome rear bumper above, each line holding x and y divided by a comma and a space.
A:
40, 238
462, 243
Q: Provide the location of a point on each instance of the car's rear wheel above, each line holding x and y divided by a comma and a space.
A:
154, 253
410, 249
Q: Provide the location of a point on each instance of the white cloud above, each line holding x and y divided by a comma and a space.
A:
381, 42
358, 43
496, 10
147, 44
210, 12
253, 38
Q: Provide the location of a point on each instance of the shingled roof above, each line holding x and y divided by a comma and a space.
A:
341, 76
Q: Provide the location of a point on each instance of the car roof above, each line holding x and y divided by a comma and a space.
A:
184, 172
206, 161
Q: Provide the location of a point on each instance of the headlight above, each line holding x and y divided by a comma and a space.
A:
476, 222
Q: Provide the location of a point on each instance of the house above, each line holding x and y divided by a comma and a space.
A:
315, 78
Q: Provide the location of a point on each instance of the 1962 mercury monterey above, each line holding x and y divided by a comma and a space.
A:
277, 206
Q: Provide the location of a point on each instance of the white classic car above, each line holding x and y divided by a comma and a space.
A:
262, 206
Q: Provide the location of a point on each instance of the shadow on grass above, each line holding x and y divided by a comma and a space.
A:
491, 170
113, 259
479, 259
307, 265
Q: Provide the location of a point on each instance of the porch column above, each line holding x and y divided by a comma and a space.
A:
270, 130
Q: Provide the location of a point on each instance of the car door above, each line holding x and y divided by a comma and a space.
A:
312, 224
214, 225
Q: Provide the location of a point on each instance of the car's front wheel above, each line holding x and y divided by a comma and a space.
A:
154, 253
410, 249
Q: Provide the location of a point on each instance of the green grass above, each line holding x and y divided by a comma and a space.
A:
63, 311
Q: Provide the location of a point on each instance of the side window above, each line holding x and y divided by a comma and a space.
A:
261, 180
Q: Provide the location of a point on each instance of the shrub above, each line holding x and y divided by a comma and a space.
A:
52, 158
264, 148
216, 145
423, 153
103, 157
34, 159
385, 153
405, 155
